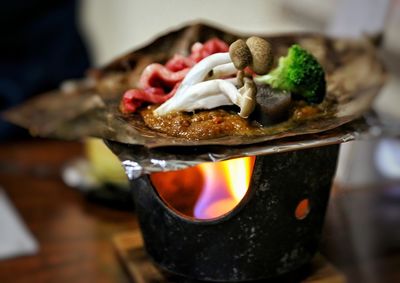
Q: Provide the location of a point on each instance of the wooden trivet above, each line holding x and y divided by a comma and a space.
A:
129, 246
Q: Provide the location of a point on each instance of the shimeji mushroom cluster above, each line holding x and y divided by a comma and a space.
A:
206, 86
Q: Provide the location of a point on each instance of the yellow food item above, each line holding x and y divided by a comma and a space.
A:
105, 165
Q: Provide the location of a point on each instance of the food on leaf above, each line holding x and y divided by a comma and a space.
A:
216, 75
88, 107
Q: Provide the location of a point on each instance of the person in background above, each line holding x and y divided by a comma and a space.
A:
40, 46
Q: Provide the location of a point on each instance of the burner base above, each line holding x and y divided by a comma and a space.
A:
140, 268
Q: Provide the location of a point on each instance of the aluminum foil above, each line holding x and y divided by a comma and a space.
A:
139, 160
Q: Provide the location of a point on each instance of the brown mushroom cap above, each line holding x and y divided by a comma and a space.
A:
240, 54
261, 53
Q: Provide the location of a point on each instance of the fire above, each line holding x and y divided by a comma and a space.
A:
225, 185
218, 187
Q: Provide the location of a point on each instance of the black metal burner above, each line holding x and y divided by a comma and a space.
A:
261, 238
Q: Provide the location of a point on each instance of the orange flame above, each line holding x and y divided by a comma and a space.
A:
226, 183
209, 190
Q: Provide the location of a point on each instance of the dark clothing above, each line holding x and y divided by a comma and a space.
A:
40, 47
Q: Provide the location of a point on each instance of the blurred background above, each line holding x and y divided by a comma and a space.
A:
115, 28
43, 43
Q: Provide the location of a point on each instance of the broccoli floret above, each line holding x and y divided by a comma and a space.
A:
300, 73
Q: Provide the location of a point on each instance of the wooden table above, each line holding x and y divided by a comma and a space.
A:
361, 235
74, 235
